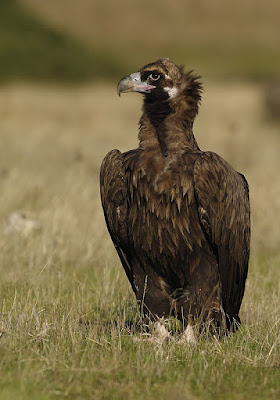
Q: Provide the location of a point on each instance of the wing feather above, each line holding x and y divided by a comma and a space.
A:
113, 190
224, 211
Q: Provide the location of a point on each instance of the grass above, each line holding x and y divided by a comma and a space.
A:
70, 333
69, 323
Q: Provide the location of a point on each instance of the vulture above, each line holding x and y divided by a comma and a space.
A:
179, 217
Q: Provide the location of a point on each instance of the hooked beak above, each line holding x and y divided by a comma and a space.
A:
133, 83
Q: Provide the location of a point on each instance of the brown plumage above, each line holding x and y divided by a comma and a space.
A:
179, 217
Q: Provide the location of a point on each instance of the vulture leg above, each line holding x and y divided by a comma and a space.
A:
189, 335
160, 332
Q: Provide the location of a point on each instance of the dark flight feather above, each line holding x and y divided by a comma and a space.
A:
178, 217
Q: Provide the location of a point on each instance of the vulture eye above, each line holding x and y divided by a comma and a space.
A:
154, 77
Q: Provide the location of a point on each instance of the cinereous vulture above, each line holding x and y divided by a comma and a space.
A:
179, 217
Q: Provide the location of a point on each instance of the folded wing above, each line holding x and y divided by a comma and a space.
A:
223, 205
113, 190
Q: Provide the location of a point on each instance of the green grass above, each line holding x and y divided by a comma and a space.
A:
71, 332
31, 50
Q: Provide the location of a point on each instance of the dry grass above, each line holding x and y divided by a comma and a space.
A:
68, 318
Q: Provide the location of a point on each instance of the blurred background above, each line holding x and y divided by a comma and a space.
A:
70, 40
60, 62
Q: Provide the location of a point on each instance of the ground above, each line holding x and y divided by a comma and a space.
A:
69, 322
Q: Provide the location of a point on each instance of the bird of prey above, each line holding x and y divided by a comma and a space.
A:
179, 217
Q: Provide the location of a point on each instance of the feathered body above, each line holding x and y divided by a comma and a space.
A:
179, 217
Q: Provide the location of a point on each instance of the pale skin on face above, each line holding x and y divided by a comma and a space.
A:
172, 91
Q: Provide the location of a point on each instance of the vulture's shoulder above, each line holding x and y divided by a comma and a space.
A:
113, 190
112, 177
222, 196
217, 178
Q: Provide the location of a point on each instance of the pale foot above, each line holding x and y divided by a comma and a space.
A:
158, 335
160, 332
189, 335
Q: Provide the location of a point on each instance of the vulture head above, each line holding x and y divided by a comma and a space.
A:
166, 87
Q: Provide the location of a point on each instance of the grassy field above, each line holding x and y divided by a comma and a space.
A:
69, 323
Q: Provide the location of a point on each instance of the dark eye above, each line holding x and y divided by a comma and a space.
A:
154, 77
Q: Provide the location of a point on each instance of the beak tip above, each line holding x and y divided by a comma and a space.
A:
125, 85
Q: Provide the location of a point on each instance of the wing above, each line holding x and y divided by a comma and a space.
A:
224, 211
113, 190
